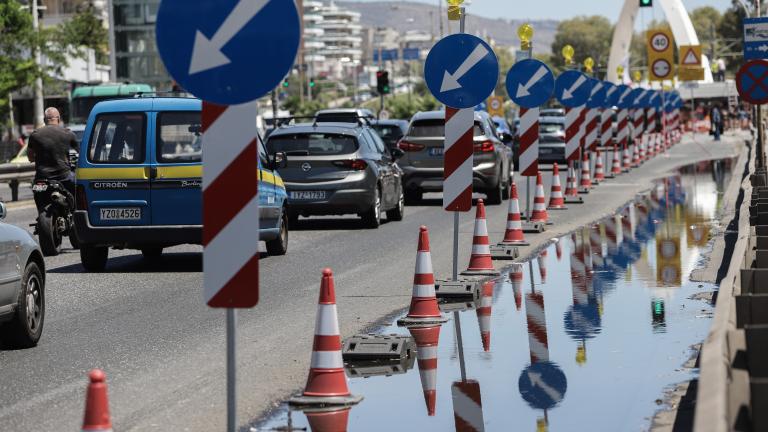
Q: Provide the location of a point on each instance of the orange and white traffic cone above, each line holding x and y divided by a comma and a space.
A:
616, 166
599, 171
480, 263
586, 177
516, 278
484, 314
426, 339
424, 309
327, 381
556, 198
513, 235
539, 213
323, 420
96, 417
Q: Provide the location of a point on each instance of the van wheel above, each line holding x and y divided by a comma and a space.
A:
94, 258
26, 327
152, 253
279, 246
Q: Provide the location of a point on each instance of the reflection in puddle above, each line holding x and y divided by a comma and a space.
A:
574, 345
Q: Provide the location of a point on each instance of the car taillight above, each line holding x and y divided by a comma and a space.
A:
484, 147
80, 199
353, 164
407, 146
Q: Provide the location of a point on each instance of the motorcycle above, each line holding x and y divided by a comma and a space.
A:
55, 219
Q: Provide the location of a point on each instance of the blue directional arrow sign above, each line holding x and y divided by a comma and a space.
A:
598, 94
625, 101
542, 385
461, 70
228, 51
572, 88
612, 94
530, 83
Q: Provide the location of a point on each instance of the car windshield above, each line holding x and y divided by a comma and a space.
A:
550, 128
434, 128
312, 144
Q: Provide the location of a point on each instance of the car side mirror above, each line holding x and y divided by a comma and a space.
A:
397, 153
278, 160
3, 211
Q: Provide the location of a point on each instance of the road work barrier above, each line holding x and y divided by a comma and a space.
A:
96, 417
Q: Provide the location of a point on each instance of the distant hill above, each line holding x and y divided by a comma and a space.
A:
407, 15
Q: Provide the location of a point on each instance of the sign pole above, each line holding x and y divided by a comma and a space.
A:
231, 372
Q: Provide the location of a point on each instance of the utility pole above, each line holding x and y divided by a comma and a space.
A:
38, 85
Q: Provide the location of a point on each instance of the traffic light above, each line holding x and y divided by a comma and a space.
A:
382, 82
285, 83
646, 3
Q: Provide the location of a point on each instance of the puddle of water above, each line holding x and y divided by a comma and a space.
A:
585, 336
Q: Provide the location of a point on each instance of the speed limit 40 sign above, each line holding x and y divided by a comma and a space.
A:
661, 54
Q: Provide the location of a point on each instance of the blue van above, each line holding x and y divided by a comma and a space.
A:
139, 181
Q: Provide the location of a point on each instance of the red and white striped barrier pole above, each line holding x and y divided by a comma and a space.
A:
529, 151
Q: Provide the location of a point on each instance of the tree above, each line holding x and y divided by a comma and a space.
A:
590, 36
85, 29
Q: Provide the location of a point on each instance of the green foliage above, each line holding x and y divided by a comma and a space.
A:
590, 36
85, 29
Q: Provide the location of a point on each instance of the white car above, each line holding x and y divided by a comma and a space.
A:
22, 287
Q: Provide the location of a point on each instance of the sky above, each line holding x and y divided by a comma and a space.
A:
564, 9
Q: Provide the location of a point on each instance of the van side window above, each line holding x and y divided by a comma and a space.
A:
118, 138
179, 137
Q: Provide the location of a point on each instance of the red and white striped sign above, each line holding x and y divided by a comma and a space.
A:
467, 406
529, 142
230, 205
572, 132
458, 160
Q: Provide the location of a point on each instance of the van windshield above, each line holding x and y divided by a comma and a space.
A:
312, 144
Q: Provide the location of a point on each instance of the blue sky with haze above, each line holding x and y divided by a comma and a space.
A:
563, 9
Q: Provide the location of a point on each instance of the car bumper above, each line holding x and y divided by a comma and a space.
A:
484, 176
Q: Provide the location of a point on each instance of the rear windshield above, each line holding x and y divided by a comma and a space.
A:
118, 138
434, 128
312, 144
179, 137
550, 127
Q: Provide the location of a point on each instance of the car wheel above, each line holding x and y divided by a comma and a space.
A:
26, 327
152, 253
397, 213
94, 258
413, 196
50, 237
279, 246
372, 217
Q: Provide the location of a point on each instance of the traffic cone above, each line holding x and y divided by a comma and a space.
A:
424, 309
480, 263
570, 182
484, 314
426, 339
516, 278
616, 166
586, 178
514, 233
324, 420
539, 213
96, 417
626, 162
556, 198
599, 172
327, 381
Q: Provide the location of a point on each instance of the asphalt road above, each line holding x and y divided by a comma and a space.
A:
146, 325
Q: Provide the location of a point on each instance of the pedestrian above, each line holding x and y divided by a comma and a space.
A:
717, 121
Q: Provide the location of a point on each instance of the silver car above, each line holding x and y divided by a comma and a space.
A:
423, 161
22, 287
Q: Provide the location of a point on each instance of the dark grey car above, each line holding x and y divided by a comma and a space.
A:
339, 168
423, 161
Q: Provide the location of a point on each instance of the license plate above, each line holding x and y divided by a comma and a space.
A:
308, 195
126, 213
39, 187
435, 151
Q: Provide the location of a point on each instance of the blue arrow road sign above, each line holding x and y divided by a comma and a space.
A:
625, 101
598, 96
228, 51
572, 88
530, 83
755, 38
542, 385
461, 70
612, 94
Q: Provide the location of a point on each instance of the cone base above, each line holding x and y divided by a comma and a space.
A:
574, 200
481, 272
322, 401
414, 322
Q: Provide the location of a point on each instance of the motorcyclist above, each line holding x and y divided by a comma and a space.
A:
49, 150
